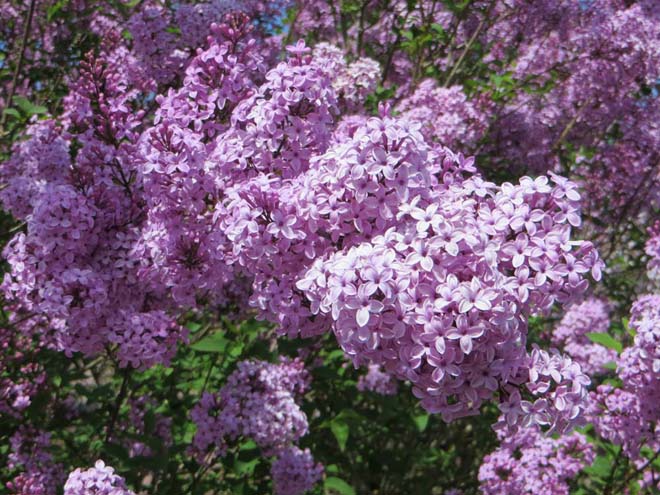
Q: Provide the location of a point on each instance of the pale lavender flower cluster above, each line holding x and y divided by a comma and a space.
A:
98, 480
259, 401
294, 471
530, 462
376, 380
397, 245
616, 414
589, 316
559, 396
639, 364
436, 271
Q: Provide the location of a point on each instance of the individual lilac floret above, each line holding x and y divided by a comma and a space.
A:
377, 381
530, 462
294, 471
99, 480
589, 316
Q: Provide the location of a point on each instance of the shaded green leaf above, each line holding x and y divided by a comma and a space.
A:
213, 343
606, 340
334, 485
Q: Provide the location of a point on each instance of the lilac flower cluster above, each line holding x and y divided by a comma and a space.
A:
294, 471
21, 376
40, 474
99, 480
136, 425
259, 401
437, 271
530, 462
446, 115
589, 316
629, 416
376, 380
652, 249
559, 396
352, 82
75, 266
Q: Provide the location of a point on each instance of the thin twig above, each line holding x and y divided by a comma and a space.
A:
469, 44
118, 402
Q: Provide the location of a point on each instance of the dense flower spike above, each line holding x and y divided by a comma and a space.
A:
99, 480
529, 463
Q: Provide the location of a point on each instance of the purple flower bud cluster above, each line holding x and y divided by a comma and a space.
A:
259, 402
98, 480
589, 316
377, 381
294, 472
530, 462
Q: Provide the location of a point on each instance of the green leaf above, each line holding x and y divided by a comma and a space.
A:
601, 467
610, 366
334, 485
12, 112
27, 107
54, 9
213, 343
606, 340
421, 421
340, 430
236, 349
246, 468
